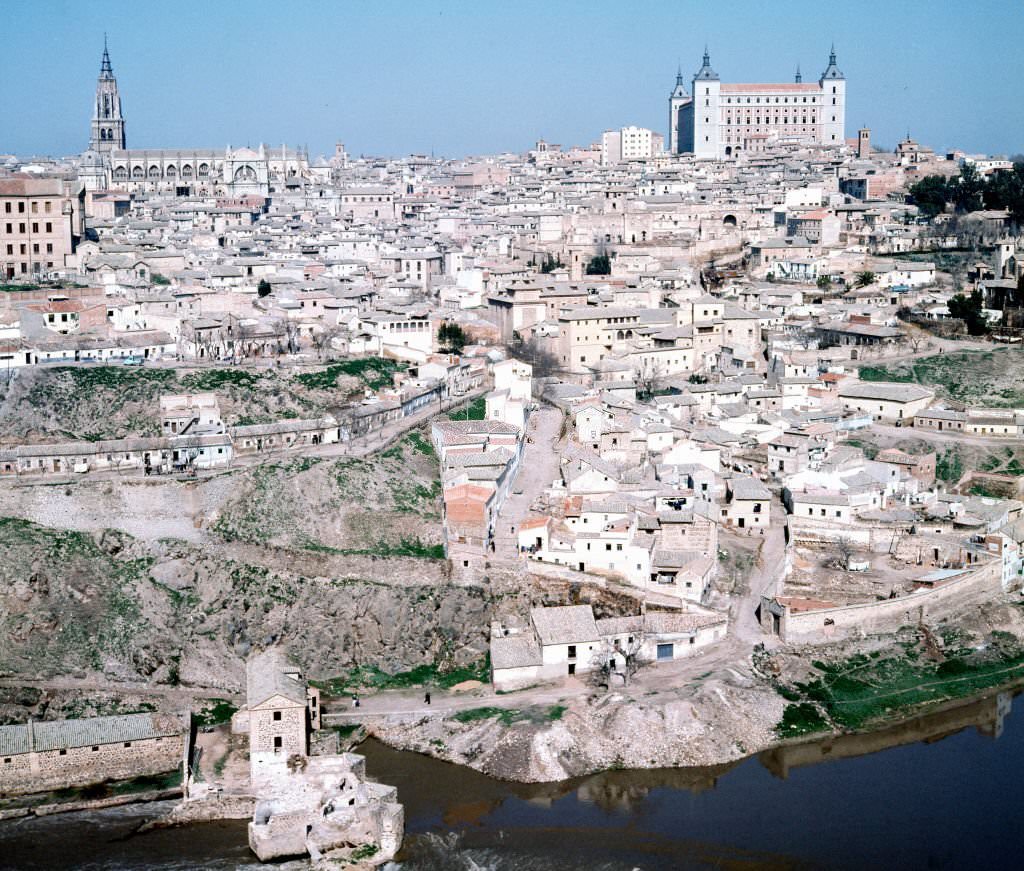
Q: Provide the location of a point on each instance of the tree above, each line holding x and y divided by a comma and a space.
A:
551, 264
863, 279
599, 264
968, 190
649, 373
839, 556
930, 195
532, 351
452, 338
263, 288
322, 338
969, 310
616, 662
823, 282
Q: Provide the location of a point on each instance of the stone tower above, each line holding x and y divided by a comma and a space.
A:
677, 118
707, 89
864, 143
107, 121
833, 112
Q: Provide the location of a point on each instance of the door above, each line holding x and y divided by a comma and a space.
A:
572, 668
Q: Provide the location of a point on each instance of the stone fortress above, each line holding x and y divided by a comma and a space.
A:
717, 120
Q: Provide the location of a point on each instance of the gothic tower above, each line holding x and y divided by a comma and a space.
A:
107, 122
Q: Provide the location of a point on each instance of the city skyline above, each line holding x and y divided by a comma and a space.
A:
454, 79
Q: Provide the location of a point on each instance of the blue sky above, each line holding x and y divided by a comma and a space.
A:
458, 78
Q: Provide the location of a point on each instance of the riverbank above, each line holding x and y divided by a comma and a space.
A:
733, 711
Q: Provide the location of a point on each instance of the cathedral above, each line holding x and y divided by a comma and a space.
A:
720, 121
109, 164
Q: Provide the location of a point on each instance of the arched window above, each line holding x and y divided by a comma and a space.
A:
186, 171
121, 173
171, 172
138, 172
154, 171
204, 170
110, 133
103, 135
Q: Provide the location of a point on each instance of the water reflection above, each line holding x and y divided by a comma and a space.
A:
937, 798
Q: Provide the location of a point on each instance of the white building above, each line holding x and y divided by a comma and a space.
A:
630, 143
718, 120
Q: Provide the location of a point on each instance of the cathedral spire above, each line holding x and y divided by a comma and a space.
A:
106, 70
107, 131
799, 78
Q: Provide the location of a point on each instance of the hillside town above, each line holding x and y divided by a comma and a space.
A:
700, 401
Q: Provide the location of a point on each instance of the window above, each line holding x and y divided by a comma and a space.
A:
65, 752
572, 651
127, 743
49, 224
277, 715
95, 749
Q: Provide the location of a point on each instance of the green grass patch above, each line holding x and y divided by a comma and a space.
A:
215, 712
476, 410
861, 690
556, 712
974, 377
507, 716
374, 372
435, 674
801, 719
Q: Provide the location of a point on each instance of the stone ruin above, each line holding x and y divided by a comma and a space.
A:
316, 805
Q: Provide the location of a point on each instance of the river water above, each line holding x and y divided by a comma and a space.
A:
940, 792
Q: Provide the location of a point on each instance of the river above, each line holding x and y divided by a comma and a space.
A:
939, 792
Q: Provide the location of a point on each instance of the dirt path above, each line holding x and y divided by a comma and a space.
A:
180, 693
538, 468
728, 659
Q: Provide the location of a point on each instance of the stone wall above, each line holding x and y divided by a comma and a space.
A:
888, 615
42, 771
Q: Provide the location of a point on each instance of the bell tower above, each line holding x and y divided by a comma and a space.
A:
107, 121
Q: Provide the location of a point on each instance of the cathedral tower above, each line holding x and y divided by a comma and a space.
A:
107, 122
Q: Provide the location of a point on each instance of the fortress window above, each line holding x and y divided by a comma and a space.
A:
65, 752
277, 715
95, 749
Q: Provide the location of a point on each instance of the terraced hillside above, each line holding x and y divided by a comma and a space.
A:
993, 378
386, 504
99, 402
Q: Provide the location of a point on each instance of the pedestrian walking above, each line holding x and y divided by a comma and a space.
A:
426, 698
355, 701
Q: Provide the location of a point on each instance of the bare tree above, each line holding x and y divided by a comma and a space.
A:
839, 558
322, 338
616, 662
544, 363
281, 329
648, 375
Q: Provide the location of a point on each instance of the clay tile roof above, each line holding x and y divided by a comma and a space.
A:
568, 624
